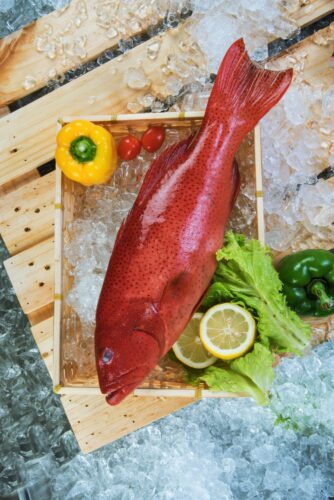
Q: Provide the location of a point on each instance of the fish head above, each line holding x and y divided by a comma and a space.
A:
126, 351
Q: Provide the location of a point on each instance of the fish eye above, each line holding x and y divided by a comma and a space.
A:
107, 355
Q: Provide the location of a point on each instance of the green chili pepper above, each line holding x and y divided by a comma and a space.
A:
308, 282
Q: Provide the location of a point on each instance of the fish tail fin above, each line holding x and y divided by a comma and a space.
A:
243, 92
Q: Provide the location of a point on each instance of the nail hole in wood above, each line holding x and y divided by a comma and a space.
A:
30, 264
41, 283
17, 209
47, 267
37, 210
14, 150
27, 229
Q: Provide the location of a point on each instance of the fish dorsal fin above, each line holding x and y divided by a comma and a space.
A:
160, 165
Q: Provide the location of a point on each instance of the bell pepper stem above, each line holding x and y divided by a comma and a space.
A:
83, 149
319, 290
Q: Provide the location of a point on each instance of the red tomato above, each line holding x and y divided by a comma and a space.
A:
153, 138
128, 147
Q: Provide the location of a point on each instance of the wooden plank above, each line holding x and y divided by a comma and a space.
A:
16, 183
95, 423
310, 58
32, 275
313, 11
27, 136
63, 40
42, 334
26, 214
41, 314
25, 69
4, 110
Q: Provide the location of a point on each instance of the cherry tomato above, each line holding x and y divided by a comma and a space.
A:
128, 147
153, 138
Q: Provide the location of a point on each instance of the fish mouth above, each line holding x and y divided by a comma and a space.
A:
123, 385
115, 396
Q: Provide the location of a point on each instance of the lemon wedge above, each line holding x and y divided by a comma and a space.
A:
189, 349
227, 331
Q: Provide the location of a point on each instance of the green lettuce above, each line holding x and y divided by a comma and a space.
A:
245, 274
252, 375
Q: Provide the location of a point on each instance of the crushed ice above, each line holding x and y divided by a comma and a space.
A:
297, 141
226, 449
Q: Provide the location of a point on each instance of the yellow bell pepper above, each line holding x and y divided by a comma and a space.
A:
86, 152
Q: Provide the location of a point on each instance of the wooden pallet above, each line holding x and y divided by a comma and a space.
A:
26, 198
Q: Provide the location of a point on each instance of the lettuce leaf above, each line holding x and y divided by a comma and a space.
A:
251, 375
245, 274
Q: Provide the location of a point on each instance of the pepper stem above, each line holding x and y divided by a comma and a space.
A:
318, 289
83, 149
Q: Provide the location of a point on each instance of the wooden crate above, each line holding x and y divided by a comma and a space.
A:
167, 379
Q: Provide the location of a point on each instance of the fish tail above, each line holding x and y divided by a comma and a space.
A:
244, 92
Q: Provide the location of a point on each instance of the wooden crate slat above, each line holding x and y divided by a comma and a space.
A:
27, 136
32, 275
26, 214
20, 59
43, 335
95, 423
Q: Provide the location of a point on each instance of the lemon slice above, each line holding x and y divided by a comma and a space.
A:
189, 348
227, 331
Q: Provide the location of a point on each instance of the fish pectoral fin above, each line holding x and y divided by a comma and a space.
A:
161, 164
175, 286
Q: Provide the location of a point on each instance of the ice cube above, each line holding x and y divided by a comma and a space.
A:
136, 79
265, 454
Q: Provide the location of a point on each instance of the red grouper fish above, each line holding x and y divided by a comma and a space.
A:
164, 254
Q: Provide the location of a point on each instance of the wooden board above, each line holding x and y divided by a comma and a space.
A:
42, 334
76, 35
313, 10
310, 58
89, 415
95, 423
32, 272
62, 40
26, 214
